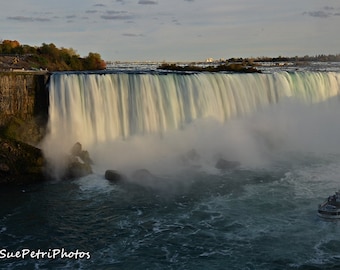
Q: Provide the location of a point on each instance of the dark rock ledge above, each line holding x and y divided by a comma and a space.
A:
20, 163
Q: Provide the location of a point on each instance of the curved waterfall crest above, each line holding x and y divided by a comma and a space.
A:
104, 107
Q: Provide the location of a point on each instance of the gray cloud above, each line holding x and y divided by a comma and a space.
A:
28, 19
21, 18
328, 8
147, 2
99, 5
175, 21
111, 12
117, 17
324, 13
70, 16
91, 11
131, 35
320, 14
42, 19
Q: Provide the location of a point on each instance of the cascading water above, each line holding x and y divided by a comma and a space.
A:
103, 107
120, 117
104, 111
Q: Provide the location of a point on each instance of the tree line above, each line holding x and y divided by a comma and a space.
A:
48, 56
306, 58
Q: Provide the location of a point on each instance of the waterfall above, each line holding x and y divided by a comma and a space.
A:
146, 120
103, 107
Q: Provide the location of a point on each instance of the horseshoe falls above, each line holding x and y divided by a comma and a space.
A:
281, 129
150, 118
104, 107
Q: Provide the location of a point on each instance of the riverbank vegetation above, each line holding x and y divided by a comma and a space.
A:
46, 57
306, 58
234, 67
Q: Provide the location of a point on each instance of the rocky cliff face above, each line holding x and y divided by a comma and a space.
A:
23, 105
23, 118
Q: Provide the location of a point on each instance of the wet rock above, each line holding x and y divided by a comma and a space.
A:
190, 157
76, 149
20, 163
78, 163
113, 176
224, 164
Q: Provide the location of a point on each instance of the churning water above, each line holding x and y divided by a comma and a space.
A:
283, 128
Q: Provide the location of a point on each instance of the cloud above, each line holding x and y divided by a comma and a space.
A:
111, 12
147, 2
175, 21
328, 8
70, 16
21, 18
28, 19
131, 35
319, 14
117, 17
99, 5
42, 19
91, 11
325, 13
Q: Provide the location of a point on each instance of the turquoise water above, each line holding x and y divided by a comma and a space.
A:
261, 218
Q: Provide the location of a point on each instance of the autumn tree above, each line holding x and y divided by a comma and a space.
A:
7, 45
94, 62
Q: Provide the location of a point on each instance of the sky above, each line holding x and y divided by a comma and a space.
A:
176, 30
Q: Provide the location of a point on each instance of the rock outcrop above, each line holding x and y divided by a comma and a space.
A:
78, 163
190, 157
20, 163
224, 164
113, 176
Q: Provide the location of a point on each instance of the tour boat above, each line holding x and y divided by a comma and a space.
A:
330, 208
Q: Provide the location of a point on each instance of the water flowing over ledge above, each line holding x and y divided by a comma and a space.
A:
103, 107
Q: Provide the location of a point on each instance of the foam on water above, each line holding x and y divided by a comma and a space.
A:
95, 183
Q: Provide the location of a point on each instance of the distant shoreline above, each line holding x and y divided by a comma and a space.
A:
295, 59
228, 67
264, 67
